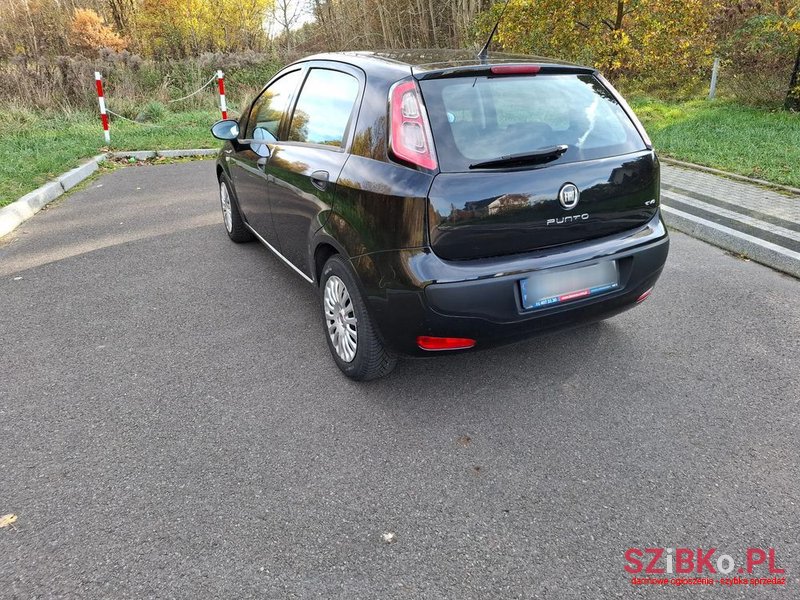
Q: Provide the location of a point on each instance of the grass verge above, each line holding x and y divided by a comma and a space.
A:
38, 147
725, 135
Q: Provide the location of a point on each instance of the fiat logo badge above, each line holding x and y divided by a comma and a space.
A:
568, 195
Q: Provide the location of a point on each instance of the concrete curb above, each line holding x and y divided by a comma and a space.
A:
769, 184
147, 154
137, 154
761, 251
74, 176
16, 213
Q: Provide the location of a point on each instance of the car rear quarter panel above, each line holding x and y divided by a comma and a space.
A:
380, 205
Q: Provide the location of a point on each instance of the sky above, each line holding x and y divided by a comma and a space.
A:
304, 16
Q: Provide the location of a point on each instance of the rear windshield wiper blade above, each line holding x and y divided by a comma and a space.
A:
535, 156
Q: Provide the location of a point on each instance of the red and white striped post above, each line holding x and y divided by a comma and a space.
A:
98, 79
223, 108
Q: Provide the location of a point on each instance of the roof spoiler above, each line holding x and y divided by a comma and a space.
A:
506, 68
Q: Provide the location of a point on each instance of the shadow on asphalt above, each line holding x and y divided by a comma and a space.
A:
53, 250
422, 382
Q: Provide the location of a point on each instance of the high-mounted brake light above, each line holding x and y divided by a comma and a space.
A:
411, 138
516, 69
429, 342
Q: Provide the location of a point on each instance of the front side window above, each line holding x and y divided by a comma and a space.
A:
271, 106
324, 107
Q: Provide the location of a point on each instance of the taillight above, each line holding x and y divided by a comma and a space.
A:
411, 138
429, 342
644, 296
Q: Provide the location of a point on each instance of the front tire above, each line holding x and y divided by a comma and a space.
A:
352, 340
231, 217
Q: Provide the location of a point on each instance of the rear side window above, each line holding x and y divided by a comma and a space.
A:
271, 106
324, 107
477, 119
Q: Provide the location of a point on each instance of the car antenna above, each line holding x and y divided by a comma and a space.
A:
483, 55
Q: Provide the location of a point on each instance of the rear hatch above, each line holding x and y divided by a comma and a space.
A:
532, 158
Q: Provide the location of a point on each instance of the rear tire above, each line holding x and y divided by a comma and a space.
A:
351, 336
231, 217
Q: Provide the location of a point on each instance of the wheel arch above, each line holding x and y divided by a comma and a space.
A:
322, 253
222, 168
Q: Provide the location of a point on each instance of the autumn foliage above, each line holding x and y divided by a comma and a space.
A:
622, 37
181, 28
89, 33
665, 46
659, 47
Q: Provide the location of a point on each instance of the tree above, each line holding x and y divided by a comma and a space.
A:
180, 28
760, 49
792, 101
370, 24
791, 25
89, 33
620, 37
286, 14
34, 28
123, 12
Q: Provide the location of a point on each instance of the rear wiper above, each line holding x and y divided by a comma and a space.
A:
536, 156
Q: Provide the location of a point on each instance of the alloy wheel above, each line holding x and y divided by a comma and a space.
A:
340, 319
225, 201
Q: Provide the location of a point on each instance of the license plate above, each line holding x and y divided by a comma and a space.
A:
550, 288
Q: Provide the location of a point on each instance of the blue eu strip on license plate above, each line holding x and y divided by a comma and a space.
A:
550, 288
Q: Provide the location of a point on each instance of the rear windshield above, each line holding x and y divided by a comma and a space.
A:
476, 119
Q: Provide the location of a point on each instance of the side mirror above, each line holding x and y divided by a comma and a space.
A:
225, 130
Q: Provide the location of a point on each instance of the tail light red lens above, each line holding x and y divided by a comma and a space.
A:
644, 296
411, 138
429, 342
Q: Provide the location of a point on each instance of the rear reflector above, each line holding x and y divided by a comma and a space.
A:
516, 69
427, 342
644, 296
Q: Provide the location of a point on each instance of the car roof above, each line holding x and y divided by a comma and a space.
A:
424, 61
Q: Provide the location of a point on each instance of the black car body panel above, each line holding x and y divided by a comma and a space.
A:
508, 212
430, 255
302, 186
384, 203
414, 292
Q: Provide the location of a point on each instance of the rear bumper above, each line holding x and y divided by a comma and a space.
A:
414, 292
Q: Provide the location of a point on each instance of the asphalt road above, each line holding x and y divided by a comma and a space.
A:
171, 425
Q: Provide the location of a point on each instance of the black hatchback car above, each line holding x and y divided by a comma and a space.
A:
443, 203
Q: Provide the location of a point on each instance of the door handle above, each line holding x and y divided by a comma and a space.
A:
319, 179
